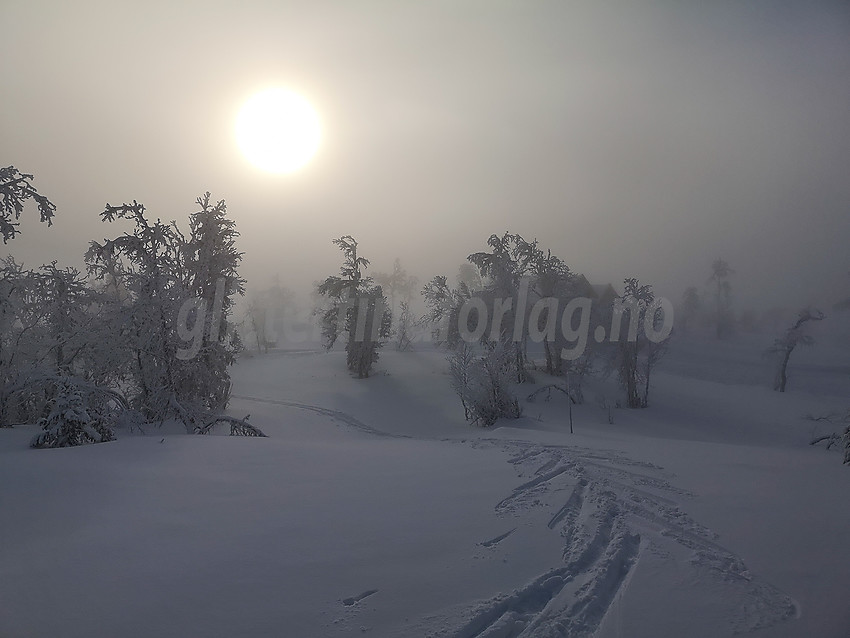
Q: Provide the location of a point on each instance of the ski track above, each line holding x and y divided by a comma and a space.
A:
610, 516
498, 539
348, 602
336, 415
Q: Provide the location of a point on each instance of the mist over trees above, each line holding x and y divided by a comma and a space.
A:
147, 333
402, 288
721, 275
268, 317
690, 309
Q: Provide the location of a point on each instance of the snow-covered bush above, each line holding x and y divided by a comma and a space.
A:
52, 323
73, 420
483, 383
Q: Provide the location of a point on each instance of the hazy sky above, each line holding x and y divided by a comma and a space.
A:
631, 138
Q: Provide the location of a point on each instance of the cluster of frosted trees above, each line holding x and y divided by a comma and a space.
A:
503, 286
83, 352
522, 292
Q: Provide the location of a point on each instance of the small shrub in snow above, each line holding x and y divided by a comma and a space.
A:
483, 383
71, 422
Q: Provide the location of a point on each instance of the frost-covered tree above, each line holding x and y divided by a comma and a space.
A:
282, 307
52, 326
149, 263
483, 383
21, 328
552, 279
64, 299
467, 274
73, 421
357, 308
636, 355
79, 355
721, 275
15, 189
443, 305
211, 278
401, 288
174, 320
404, 327
502, 270
503, 266
518, 273
256, 322
264, 320
398, 284
794, 336
461, 362
510, 278
691, 306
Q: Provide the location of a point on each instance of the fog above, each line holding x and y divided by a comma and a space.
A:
639, 139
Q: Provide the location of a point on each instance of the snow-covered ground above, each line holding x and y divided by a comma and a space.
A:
374, 509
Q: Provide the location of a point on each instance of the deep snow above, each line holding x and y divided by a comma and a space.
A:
373, 508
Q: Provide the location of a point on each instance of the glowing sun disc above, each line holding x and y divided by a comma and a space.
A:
278, 130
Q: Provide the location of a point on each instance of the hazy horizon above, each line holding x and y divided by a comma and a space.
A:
644, 139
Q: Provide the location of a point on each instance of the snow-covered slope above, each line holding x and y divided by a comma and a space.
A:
373, 509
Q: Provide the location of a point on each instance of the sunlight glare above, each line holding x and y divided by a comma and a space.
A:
278, 130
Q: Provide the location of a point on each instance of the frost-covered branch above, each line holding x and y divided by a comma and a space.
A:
15, 189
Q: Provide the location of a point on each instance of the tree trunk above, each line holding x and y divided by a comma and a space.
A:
781, 378
548, 351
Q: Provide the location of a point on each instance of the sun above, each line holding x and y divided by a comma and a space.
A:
278, 130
